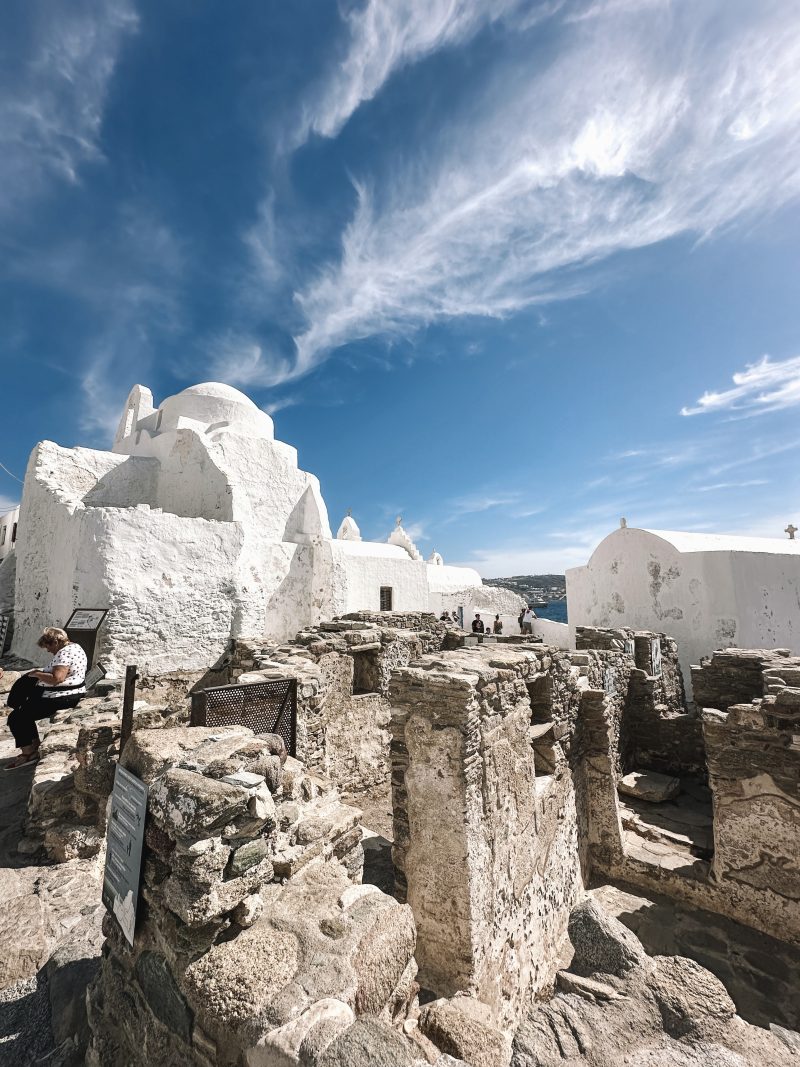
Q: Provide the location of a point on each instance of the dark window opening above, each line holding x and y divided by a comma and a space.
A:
386, 598
540, 691
13, 533
366, 673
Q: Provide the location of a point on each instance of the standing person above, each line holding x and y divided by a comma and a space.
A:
477, 625
40, 694
521, 620
527, 621
497, 626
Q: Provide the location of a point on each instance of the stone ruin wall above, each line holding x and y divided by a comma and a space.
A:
753, 770
505, 762
658, 730
255, 934
343, 669
753, 755
489, 813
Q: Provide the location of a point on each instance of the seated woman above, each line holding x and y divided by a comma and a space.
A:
40, 694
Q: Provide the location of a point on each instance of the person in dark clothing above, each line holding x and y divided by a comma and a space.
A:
497, 625
477, 625
40, 694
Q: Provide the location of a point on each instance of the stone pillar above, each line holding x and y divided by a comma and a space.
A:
488, 849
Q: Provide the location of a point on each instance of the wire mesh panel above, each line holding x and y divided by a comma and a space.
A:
265, 707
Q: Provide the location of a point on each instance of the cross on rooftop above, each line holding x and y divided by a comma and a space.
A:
791, 530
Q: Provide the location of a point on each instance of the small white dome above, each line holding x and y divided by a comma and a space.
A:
219, 391
216, 406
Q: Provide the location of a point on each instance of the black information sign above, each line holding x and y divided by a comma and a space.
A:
4, 624
124, 849
82, 627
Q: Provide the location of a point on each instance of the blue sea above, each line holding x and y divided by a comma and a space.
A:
556, 611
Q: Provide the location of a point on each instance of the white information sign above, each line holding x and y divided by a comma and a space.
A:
655, 657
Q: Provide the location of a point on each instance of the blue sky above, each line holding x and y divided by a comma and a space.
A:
510, 269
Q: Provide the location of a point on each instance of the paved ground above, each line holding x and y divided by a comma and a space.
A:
43, 909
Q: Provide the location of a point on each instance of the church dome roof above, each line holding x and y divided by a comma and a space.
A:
217, 406
219, 391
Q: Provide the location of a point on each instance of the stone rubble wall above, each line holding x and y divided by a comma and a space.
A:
343, 669
74, 776
256, 943
659, 732
740, 675
754, 770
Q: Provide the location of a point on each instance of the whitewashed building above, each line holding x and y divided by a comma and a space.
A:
708, 591
197, 527
8, 532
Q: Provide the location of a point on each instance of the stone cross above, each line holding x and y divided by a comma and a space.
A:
791, 530
623, 523
399, 520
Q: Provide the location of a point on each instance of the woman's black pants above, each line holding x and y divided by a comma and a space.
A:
22, 720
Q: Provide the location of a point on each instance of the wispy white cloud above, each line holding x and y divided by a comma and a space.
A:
382, 38
681, 120
718, 486
474, 504
52, 96
761, 387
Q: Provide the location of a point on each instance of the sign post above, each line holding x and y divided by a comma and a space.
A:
82, 627
128, 700
124, 849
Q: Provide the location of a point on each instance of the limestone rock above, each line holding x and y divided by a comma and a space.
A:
249, 911
368, 1043
687, 993
462, 1027
8, 679
236, 980
602, 944
304, 1039
166, 1001
190, 804
650, 786
588, 988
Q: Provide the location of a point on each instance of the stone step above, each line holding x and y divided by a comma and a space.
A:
650, 786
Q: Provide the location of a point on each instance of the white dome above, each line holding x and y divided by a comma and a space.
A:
218, 390
216, 407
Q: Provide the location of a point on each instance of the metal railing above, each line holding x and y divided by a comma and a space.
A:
268, 707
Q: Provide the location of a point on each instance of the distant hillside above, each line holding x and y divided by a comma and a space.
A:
533, 587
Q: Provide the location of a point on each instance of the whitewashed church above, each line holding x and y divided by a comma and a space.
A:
197, 527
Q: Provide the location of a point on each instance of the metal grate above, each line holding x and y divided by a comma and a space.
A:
386, 598
264, 707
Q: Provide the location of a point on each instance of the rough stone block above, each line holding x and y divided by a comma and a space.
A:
191, 805
650, 786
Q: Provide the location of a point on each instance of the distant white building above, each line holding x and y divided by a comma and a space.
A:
8, 532
708, 591
199, 526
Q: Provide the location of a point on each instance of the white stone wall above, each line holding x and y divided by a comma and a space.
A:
360, 568
704, 599
199, 527
7, 523
554, 633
